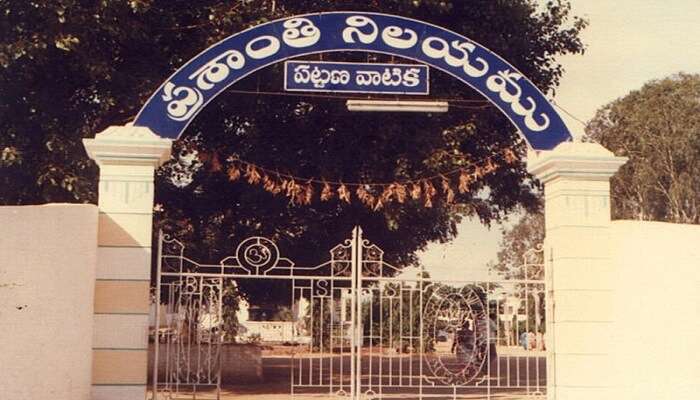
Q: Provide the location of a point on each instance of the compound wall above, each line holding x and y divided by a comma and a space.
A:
657, 309
47, 280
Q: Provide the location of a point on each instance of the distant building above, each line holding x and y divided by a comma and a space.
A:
271, 323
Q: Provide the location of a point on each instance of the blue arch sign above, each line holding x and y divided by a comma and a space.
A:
176, 103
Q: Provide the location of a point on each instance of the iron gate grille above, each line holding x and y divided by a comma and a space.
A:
368, 329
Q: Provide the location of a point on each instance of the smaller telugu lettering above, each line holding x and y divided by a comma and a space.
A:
316, 76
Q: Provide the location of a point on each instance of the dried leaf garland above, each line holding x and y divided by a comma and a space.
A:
344, 193
308, 194
428, 192
400, 192
233, 173
365, 196
422, 189
298, 193
509, 156
292, 189
415, 191
378, 205
478, 173
252, 174
447, 190
464, 181
490, 167
327, 192
387, 193
271, 185
215, 164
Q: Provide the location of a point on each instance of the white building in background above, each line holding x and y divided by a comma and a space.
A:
257, 323
253, 323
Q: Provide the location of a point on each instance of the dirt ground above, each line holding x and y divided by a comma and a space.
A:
516, 372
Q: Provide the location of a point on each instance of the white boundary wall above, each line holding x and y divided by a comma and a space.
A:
47, 277
657, 310
47, 280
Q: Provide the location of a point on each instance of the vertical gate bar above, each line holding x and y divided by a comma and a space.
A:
220, 338
391, 339
382, 345
311, 345
359, 255
198, 333
401, 301
168, 338
353, 319
294, 337
342, 318
177, 339
489, 289
353, 285
510, 359
156, 324
331, 338
321, 353
214, 331
527, 329
371, 338
188, 347
498, 327
212, 306
539, 326
311, 334
410, 336
421, 333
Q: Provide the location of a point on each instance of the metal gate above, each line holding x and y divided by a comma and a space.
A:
361, 328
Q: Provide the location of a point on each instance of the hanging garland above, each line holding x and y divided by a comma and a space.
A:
302, 191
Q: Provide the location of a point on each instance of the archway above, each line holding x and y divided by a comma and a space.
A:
575, 174
175, 104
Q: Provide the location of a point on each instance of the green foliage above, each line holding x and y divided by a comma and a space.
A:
658, 128
230, 305
69, 69
518, 257
394, 316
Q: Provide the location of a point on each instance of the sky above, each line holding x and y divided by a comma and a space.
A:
629, 42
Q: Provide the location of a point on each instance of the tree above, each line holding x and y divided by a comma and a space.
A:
521, 260
658, 128
519, 256
71, 68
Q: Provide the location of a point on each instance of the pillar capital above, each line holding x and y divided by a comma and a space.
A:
128, 145
574, 161
128, 156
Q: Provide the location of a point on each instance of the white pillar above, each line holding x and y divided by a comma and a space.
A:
579, 275
127, 157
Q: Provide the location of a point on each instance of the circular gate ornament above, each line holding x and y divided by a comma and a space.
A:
257, 254
455, 317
